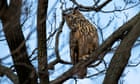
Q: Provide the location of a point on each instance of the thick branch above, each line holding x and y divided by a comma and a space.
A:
121, 56
9, 73
41, 36
94, 56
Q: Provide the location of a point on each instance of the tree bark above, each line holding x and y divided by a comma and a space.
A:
41, 36
10, 16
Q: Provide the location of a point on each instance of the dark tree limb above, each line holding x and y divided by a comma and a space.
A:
42, 46
95, 55
122, 55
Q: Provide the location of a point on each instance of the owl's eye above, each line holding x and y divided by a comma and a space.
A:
68, 16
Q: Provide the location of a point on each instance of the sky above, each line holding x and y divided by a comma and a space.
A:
131, 74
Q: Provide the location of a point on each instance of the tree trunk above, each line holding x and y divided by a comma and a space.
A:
41, 36
10, 16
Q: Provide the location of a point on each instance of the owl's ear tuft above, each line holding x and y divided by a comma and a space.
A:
76, 10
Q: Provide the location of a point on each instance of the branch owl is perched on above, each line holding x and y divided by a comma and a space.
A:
83, 38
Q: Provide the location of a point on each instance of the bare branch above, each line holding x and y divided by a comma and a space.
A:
9, 73
96, 74
57, 39
120, 10
53, 63
133, 65
52, 34
91, 8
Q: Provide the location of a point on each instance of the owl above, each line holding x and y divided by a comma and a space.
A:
83, 38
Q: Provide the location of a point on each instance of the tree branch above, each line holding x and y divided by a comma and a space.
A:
121, 56
58, 59
41, 37
57, 38
9, 73
3, 7
90, 8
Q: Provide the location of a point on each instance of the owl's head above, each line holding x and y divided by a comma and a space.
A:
72, 15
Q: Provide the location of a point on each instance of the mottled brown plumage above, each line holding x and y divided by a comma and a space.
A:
83, 38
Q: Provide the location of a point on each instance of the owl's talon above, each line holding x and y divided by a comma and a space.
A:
84, 57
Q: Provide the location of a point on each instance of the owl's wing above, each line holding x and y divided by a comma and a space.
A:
73, 48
